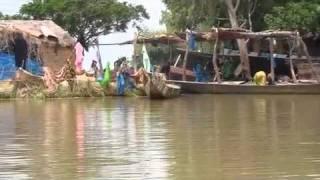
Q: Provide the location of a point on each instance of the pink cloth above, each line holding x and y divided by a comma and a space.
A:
79, 56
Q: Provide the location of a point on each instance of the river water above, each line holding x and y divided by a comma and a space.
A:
192, 137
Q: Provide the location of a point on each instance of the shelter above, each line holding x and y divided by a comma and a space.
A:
48, 43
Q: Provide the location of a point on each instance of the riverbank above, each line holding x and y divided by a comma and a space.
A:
65, 89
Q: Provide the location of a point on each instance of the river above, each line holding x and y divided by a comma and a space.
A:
192, 137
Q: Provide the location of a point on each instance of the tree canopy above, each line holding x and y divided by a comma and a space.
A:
84, 19
300, 15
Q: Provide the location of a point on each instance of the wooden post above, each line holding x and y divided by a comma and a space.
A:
306, 52
291, 63
214, 60
134, 59
99, 59
184, 78
271, 48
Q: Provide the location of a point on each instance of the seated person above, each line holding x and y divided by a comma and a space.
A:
260, 78
93, 71
165, 69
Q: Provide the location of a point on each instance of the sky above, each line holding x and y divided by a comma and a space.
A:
108, 53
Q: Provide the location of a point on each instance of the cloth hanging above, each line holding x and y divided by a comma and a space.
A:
20, 47
146, 59
107, 77
79, 51
120, 84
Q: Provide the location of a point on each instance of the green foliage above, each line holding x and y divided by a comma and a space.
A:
13, 17
86, 19
180, 13
302, 16
276, 14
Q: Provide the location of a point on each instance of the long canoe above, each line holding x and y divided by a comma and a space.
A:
238, 88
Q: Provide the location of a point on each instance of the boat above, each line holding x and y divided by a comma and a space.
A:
28, 78
158, 88
237, 87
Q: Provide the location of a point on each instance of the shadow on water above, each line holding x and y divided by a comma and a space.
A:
193, 137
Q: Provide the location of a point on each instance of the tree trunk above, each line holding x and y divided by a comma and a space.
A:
306, 52
271, 49
294, 78
214, 61
184, 76
232, 11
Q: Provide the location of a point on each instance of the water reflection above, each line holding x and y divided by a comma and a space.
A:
203, 137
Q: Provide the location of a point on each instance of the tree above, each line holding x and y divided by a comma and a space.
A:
199, 12
302, 16
84, 19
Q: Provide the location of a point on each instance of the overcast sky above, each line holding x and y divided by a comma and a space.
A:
110, 53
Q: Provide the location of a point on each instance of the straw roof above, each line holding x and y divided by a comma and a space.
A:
230, 34
158, 39
46, 31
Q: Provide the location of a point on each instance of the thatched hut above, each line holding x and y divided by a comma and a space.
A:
47, 42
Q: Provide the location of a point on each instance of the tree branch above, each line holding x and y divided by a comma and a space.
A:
236, 7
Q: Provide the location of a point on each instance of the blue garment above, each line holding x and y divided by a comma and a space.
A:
120, 84
192, 42
198, 73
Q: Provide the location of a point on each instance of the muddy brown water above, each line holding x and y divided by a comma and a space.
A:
192, 137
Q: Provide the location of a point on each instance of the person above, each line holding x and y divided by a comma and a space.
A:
165, 69
121, 81
20, 48
198, 73
190, 38
270, 80
93, 69
260, 78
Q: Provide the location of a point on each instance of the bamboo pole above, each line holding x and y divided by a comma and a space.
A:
214, 60
134, 59
291, 63
306, 52
271, 48
185, 59
99, 59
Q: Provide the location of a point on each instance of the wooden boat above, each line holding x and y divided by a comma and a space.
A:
28, 78
238, 88
158, 88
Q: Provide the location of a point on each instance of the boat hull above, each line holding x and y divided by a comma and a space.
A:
236, 88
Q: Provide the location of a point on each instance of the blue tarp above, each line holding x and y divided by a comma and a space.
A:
8, 68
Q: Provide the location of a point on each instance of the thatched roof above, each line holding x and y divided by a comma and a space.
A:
46, 30
158, 39
230, 34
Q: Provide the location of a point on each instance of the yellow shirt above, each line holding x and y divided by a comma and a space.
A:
260, 78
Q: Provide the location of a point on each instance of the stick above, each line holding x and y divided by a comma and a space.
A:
214, 60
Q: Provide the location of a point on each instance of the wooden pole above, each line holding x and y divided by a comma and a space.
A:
134, 59
271, 48
184, 78
214, 61
291, 63
306, 52
99, 59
